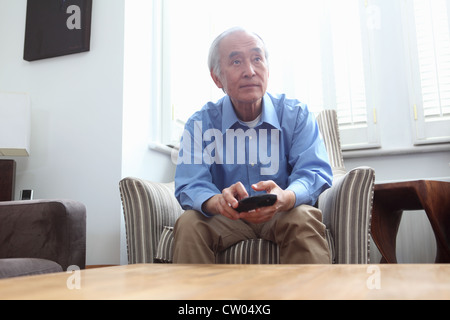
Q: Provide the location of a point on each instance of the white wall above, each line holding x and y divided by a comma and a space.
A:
141, 119
76, 120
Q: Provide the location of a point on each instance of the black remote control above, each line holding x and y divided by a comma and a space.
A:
255, 202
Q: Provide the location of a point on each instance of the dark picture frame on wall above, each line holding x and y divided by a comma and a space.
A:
57, 28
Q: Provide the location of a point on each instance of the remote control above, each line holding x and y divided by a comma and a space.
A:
255, 202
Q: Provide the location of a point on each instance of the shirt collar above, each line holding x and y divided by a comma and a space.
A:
269, 114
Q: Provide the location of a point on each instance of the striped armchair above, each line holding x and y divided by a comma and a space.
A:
150, 210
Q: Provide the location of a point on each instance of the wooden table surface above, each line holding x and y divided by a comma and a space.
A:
250, 282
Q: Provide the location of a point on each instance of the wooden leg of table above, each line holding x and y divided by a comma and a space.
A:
385, 224
435, 198
391, 199
443, 253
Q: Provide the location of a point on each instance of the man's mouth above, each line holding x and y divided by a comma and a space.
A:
249, 86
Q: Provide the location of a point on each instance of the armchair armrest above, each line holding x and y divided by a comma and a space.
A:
347, 211
44, 229
148, 207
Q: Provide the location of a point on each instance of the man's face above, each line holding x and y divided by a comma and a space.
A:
244, 70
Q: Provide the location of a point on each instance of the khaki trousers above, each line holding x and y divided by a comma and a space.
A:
299, 233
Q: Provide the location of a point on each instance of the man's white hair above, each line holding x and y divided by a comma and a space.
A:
214, 52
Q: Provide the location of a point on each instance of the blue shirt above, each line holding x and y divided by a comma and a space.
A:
218, 150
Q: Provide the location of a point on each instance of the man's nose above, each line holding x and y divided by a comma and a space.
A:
249, 71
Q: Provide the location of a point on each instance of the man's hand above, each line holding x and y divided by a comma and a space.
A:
226, 203
285, 202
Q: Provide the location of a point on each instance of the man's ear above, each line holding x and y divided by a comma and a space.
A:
216, 80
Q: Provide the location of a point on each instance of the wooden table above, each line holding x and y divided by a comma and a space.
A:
238, 282
391, 199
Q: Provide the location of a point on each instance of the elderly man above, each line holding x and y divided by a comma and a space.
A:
250, 143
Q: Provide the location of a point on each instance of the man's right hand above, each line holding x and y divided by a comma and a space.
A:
226, 203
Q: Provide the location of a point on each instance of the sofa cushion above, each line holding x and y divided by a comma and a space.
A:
253, 251
10, 268
53, 230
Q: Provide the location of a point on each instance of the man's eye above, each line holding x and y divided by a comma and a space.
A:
236, 62
258, 59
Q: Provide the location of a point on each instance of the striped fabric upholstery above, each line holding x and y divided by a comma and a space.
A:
328, 126
255, 251
164, 253
148, 207
347, 206
150, 211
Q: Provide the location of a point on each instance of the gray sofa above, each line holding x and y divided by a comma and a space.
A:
41, 236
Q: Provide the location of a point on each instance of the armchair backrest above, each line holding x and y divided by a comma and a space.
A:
347, 206
328, 126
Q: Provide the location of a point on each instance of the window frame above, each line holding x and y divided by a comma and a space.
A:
424, 131
353, 138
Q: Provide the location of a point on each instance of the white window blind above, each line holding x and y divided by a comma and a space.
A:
349, 75
318, 54
428, 33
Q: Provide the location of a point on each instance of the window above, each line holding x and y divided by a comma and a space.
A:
353, 94
427, 31
319, 53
